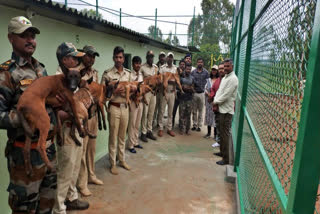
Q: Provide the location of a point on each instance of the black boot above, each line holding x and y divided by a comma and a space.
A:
77, 205
143, 137
151, 136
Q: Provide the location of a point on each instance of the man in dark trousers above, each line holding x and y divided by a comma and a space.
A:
225, 99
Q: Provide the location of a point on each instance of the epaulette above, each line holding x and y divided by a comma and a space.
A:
6, 65
154, 65
126, 69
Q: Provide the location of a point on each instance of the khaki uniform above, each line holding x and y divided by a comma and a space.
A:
89, 145
135, 116
148, 110
69, 160
171, 98
118, 117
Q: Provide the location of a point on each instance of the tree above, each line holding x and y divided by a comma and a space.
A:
92, 13
151, 31
214, 26
175, 41
169, 39
205, 52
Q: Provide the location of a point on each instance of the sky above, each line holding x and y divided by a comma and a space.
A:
147, 7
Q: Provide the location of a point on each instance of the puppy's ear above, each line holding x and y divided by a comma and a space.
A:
89, 81
83, 84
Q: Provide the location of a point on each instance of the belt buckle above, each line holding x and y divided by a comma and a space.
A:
123, 105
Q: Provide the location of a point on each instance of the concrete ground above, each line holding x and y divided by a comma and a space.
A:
172, 175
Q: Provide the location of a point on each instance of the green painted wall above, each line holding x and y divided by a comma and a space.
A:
52, 34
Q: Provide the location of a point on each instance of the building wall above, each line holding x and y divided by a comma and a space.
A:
52, 34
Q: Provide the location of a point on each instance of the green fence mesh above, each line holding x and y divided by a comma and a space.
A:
277, 76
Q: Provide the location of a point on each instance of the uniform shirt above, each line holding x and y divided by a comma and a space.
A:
113, 74
22, 75
136, 77
189, 81
200, 79
173, 69
147, 70
226, 94
91, 73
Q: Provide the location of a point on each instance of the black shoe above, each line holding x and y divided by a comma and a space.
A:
77, 205
218, 154
138, 146
193, 128
132, 150
198, 130
143, 137
222, 163
151, 136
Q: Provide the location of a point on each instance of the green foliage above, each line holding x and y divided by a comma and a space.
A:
214, 26
206, 50
92, 12
151, 31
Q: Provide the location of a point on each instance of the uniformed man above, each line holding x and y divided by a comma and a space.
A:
188, 60
135, 114
33, 194
161, 62
87, 172
169, 67
148, 69
69, 154
118, 114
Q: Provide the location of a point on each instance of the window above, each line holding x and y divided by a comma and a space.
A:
127, 61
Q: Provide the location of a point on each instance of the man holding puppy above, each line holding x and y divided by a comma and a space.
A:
69, 154
27, 194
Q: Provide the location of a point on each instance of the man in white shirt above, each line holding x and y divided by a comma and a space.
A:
225, 99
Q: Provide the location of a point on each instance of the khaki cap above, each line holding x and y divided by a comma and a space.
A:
170, 54
162, 53
20, 24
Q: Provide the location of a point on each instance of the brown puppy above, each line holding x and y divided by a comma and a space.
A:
171, 78
101, 94
33, 114
142, 90
95, 97
129, 88
154, 82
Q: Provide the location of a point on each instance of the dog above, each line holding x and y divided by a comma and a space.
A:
129, 89
142, 90
33, 115
91, 100
171, 78
154, 82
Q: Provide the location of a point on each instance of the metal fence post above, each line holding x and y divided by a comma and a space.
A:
245, 82
306, 167
155, 24
66, 3
193, 23
236, 62
120, 16
97, 8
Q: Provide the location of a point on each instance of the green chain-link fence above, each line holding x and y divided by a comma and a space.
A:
276, 127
